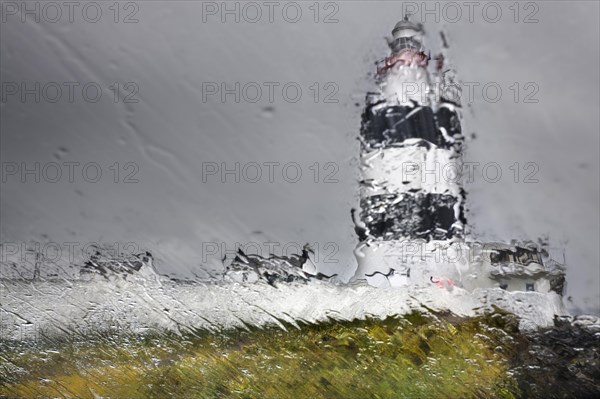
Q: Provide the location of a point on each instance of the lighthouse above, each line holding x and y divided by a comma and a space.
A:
411, 198
410, 218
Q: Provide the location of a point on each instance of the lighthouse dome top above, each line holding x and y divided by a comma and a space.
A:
407, 34
407, 28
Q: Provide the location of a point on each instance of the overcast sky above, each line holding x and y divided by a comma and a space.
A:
163, 129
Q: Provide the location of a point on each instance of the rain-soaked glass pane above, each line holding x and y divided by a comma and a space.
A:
310, 199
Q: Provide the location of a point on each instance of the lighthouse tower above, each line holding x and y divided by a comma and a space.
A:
411, 220
411, 198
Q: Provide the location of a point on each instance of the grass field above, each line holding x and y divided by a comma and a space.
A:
415, 356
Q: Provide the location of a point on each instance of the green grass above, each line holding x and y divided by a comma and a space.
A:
415, 356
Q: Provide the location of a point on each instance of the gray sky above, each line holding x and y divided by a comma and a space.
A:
176, 51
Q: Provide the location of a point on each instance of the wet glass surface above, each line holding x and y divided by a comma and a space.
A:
177, 186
